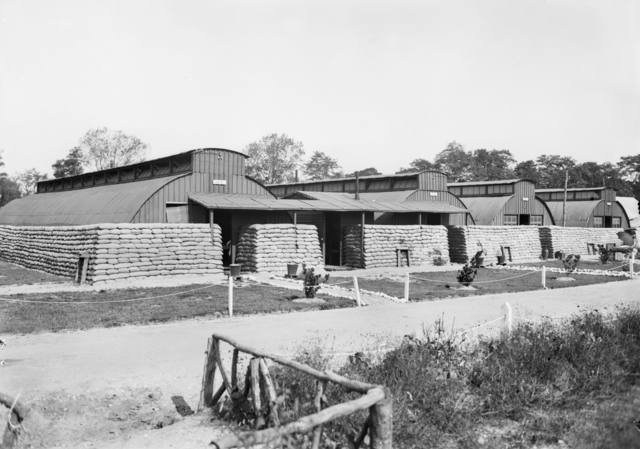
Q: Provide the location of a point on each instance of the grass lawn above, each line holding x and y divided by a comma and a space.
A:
11, 274
584, 264
428, 291
84, 310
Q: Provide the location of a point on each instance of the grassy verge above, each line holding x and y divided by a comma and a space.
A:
446, 285
549, 384
11, 274
84, 310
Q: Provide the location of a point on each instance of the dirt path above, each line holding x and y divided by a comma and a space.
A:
169, 357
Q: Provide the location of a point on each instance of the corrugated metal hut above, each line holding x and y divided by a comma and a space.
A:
429, 188
507, 202
595, 207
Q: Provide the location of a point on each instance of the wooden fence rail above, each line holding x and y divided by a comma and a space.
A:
259, 385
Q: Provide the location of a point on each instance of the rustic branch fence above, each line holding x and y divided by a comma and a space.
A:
259, 384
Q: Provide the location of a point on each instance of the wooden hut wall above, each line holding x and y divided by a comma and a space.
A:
432, 181
208, 165
615, 210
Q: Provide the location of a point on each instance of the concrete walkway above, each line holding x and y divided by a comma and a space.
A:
170, 356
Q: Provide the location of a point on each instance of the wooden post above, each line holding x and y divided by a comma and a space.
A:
508, 317
206, 391
362, 242
255, 391
234, 370
564, 202
223, 373
420, 218
544, 277
357, 289
211, 218
271, 394
406, 287
317, 432
295, 218
631, 261
230, 295
381, 426
324, 237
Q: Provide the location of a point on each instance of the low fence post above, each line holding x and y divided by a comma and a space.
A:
357, 289
631, 261
544, 277
381, 428
230, 296
508, 317
406, 288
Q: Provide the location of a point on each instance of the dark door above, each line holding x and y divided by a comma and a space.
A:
525, 220
607, 222
334, 237
223, 219
433, 219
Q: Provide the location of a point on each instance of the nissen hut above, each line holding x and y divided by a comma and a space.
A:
509, 202
594, 207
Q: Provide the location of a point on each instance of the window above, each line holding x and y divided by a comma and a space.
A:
597, 222
473, 190
456, 190
544, 196
587, 195
616, 222
500, 189
510, 220
536, 220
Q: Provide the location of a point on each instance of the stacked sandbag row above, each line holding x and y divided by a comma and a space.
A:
427, 245
52, 249
575, 240
269, 247
115, 251
466, 241
125, 251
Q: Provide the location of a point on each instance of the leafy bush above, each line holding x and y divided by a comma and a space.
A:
604, 254
467, 274
571, 262
438, 261
312, 282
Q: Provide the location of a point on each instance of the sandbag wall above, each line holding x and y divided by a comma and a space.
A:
426, 243
116, 251
466, 241
52, 249
575, 240
269, 247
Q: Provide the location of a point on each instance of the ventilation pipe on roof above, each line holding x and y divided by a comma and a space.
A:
357, 186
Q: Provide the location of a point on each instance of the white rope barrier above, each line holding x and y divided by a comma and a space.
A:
475, 282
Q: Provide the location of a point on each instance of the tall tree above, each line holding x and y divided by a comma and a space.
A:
71, 165
274, 159
456, 162
28, 180
527, 170
9, 189
629, 166
552, 170
419, 165
366, 172
492, 165
322, 166
105, 148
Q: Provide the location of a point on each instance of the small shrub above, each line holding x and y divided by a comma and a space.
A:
571, 262
467, 274
312, 282
604, 254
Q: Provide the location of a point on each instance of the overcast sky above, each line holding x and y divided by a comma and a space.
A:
370, 83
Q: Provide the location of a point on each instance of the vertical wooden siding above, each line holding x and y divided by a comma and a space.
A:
432, 181
207, 165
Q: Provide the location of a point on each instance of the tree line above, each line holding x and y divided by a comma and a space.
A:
277, 158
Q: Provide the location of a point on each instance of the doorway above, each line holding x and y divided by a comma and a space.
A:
608, 223
223, 219
333, 233
525, 219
